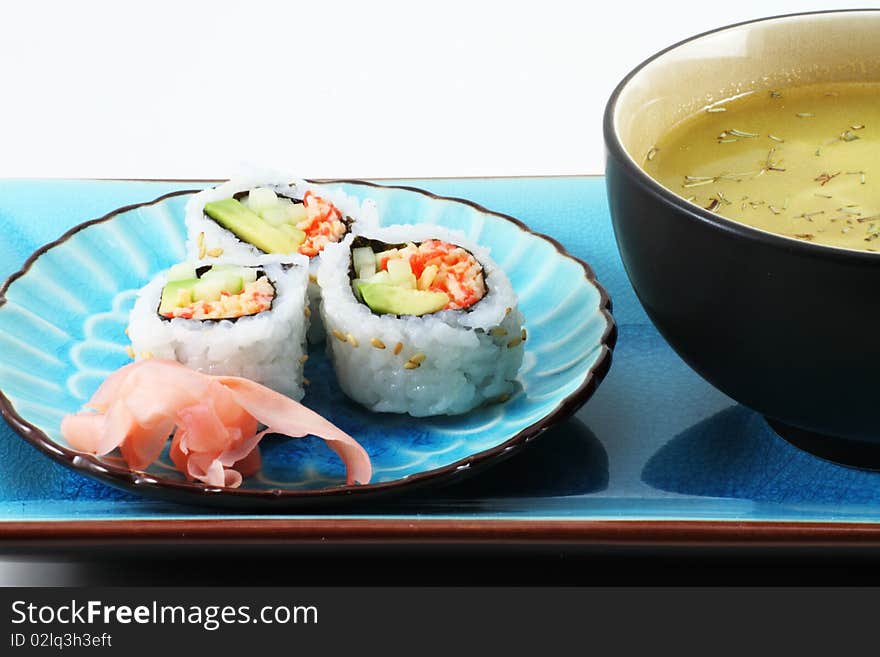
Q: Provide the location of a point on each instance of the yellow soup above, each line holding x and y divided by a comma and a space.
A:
802, 162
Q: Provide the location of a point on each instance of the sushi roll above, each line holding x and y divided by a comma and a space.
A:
420, 321
250, 217
227, 318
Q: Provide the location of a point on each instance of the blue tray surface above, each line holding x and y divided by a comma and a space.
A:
656, 442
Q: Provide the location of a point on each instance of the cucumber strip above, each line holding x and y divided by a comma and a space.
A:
364, 261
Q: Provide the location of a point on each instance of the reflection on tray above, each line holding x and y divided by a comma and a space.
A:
736, 454
567, 460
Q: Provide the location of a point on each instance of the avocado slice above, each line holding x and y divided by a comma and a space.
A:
394, 300
249, 227
293, 233
171, 294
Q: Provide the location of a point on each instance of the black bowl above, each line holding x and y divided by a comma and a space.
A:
788, 328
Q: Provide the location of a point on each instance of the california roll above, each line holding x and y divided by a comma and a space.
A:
228, 318
248, 218
420, 320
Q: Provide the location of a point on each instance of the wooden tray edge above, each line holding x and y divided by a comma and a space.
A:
348, 530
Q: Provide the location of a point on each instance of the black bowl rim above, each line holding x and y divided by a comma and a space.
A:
200, 494
668, 197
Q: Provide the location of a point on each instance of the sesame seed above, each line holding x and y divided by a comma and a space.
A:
409, 365
418, 358
307, 311
200, 241
524, 334
126, 331
515, 342
498, 332
352, 340
146, 355
508, 310
303, 358
306, 382
130, 352
339, 335
398, 348
216, 253
313, 278
376, 342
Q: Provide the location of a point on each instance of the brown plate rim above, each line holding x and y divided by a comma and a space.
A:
149, 485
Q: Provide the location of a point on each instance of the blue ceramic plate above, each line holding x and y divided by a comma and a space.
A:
63, 316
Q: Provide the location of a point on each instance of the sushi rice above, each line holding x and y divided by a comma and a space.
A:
444, 363
267, 347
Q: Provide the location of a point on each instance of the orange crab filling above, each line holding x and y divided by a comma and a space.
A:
322, 225
442, 267
255, 297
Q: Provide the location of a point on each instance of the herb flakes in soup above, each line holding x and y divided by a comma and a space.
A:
798, 160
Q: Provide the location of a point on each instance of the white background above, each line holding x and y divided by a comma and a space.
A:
326, 89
